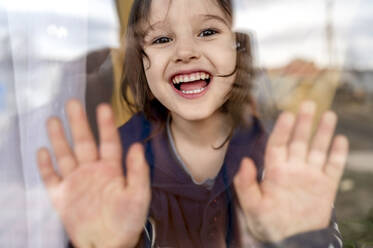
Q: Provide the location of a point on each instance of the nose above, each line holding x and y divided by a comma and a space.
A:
186, 51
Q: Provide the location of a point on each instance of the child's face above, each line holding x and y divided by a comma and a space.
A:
189, 40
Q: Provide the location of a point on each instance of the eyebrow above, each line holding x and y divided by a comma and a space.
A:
151, 27
215, 17
204, 18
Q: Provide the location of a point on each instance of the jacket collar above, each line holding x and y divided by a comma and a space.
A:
168, 175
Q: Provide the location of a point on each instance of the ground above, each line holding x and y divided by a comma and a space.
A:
354, 204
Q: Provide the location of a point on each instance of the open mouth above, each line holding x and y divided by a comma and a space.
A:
191, 84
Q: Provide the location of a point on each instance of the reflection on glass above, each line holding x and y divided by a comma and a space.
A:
319, 50
44, 45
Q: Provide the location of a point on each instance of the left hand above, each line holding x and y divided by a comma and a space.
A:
301, 178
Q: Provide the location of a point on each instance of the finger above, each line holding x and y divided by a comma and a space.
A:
84, 145
64, 156
337, 159
137, 169
110, 146
278, 141
298, 146
46, 170
322, 140
246, 185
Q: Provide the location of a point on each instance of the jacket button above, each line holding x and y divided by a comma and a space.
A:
214, 203
213, 220
211, 234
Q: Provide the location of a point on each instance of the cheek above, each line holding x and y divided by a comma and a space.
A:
229, 55
229, 59
154, 63
223, 55
150, 80
150, 69
225, 61
153, 79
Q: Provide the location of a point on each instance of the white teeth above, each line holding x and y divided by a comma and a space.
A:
190, 78
193, 91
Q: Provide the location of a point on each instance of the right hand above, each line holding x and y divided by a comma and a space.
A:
97, 204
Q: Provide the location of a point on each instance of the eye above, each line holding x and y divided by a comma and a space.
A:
162, 40
207, 32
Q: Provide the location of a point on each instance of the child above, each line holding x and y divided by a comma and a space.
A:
198, 176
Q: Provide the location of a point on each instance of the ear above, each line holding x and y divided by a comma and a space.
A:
145, 63
236, 42
238, 45
242, 41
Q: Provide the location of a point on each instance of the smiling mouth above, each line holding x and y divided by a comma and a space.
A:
191, 84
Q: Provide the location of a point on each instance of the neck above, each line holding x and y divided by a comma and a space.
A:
212, 131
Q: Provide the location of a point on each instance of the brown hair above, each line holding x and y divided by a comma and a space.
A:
135, 89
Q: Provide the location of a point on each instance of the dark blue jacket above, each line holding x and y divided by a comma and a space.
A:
188, 215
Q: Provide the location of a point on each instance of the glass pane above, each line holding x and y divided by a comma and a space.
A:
209, 80
43, 62
320, 50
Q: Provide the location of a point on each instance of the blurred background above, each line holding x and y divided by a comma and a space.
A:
321, 50
55, 50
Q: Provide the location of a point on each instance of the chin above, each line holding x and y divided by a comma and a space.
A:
195, 114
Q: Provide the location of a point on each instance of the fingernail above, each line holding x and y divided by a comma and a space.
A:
53, 124
43, 154
330, 117
343, 140
74, 106
105, 111
308, 107
288, 117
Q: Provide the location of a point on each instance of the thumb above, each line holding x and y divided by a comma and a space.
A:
246, 185
137, 169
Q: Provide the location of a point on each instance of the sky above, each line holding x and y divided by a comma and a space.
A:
60, 30
283, 30
39, 39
